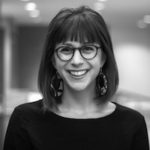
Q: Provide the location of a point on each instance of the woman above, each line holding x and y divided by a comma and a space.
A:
78, 77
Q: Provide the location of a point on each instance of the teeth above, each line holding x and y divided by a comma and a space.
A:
78, 73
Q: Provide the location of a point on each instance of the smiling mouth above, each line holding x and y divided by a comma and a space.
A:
78, 73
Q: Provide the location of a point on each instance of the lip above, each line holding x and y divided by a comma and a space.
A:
78, 70
78, 76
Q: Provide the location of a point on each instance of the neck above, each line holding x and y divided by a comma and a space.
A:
78, 100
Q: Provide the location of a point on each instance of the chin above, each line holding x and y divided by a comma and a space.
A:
79, 86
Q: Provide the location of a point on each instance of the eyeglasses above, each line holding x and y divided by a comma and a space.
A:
66, 53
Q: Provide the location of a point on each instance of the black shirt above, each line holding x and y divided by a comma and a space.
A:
31, 128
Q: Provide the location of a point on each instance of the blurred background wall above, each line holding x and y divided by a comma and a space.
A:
22, 36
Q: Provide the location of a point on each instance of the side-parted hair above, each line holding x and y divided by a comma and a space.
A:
78, 24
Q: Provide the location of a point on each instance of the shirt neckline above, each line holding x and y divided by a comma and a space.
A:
111, 115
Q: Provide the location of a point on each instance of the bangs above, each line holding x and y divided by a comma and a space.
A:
78, 28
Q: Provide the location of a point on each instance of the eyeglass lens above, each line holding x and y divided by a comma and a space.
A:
66, 53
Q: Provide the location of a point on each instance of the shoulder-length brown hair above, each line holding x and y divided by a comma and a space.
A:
76, 24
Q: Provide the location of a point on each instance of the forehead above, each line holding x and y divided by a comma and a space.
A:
80, 31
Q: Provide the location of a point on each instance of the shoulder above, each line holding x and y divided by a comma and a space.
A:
28, 110
127, 114
30, 106
131, 121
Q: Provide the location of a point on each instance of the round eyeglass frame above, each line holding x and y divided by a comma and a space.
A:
77, 48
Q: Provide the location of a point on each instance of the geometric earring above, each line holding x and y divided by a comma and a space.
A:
101, 83
56, 85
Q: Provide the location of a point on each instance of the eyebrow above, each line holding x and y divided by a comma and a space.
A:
63, 44
82, 44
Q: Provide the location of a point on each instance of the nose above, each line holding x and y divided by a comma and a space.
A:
77, 59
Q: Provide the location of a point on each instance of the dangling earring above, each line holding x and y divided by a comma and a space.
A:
101, 83
56, 85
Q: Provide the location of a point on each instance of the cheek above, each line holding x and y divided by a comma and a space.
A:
97, 69
59, 65
100, 60
97, 63
56, 63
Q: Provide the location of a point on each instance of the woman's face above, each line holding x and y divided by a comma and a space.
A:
78, 73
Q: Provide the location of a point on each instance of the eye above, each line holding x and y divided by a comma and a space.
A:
64, 50
89, 49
